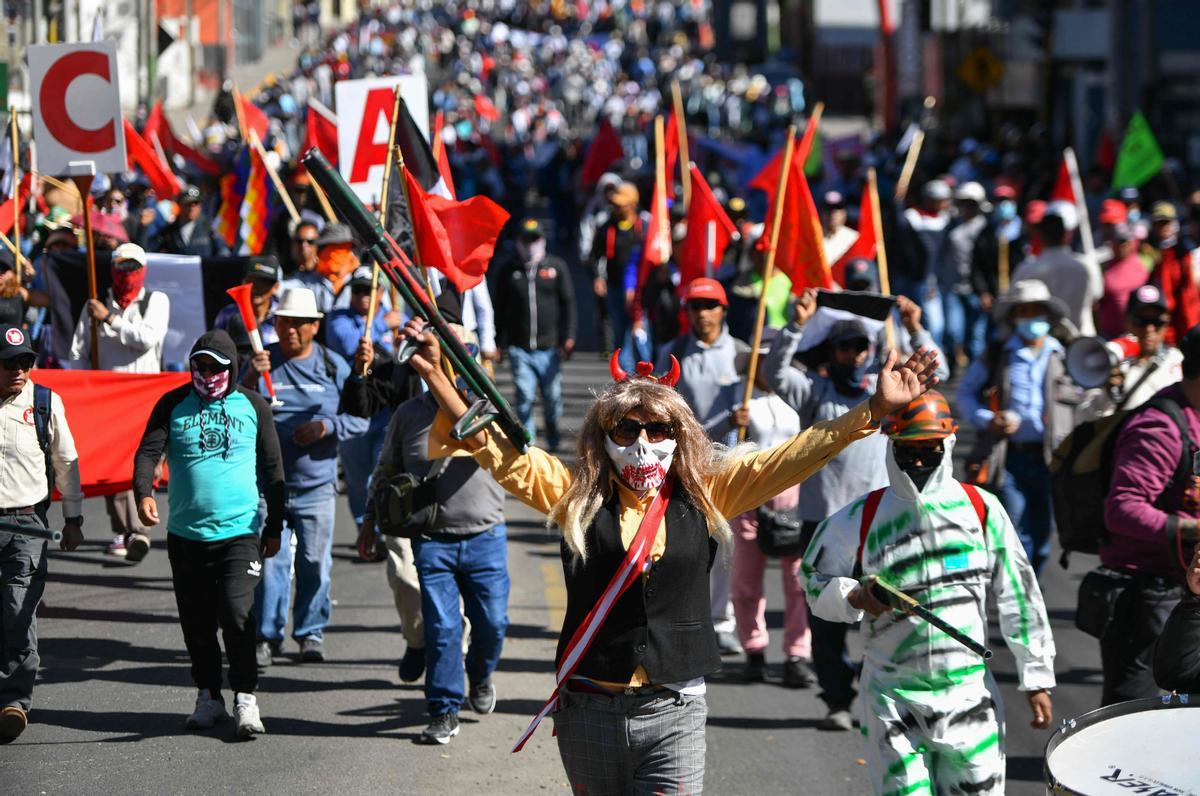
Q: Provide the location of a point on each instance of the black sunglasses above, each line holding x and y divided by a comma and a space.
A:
1158, 323
626, 432
20, 362
208, 366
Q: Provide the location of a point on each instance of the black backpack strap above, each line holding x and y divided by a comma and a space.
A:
330, 366
41, 423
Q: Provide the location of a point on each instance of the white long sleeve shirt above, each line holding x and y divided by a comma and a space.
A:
129, 342
22, 464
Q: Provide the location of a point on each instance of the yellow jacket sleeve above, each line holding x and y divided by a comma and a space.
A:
755, 478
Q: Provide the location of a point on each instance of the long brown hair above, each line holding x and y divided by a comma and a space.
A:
696, 459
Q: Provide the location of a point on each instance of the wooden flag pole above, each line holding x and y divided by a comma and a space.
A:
910, 164
685, 171
323, 200
660, 175
12, 247
237, 110
283, 194
1003, 265
15, 188
885, 282
387, 166
768, 270
84, 172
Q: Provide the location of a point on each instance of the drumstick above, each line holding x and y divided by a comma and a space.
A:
898, 599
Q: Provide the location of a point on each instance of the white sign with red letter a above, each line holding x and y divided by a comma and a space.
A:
364, 112
77, 106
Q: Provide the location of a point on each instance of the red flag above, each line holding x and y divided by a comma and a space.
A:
320, 131
7, 211
158, 127
604, 150
486, 108
253, 117
800, 252
671, 150
768, 177
107, 413
140, 153
864, 245
441, 156
700, 248
657, 248
1062, 184
456, 238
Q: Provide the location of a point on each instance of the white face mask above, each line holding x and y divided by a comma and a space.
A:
642, 465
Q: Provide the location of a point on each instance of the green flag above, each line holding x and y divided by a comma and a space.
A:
812, 166
1140, 157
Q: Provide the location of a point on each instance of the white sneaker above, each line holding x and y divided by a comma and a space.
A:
245, 711
209, 711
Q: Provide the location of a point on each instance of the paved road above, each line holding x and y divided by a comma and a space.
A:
114, 689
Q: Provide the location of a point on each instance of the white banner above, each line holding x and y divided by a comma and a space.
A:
76, 106
364, 113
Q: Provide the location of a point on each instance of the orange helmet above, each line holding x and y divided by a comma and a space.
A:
926, 418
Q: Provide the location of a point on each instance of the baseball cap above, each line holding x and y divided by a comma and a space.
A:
363, 276
706, 289
531, 229
846, 330
189, 193
1130, 194
265, 268
834, 200
1113, 211
130, 252
1146, 296
14, 342
861, 274
936, 190
1163, 211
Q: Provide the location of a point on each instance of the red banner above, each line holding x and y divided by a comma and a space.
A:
107, 414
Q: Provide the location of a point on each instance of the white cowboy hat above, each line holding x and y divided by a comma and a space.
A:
298, 302
1028, 291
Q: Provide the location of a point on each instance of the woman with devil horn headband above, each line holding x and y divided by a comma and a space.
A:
642, 513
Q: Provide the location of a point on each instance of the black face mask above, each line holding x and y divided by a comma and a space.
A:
849, 379
918, 463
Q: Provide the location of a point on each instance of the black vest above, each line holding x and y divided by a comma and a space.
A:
664, 622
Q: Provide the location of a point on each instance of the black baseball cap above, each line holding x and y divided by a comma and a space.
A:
265, 268
1146, 296
363, 276
189, 193
14, 342
531, 229
860, 274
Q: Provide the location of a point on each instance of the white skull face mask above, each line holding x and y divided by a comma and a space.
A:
641, 465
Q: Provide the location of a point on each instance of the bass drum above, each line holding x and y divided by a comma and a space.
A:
1146, 746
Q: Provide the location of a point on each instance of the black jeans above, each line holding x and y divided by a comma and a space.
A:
835, 672
1127, 647
22, 581
214, 586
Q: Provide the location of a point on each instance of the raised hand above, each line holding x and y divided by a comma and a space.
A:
899, 386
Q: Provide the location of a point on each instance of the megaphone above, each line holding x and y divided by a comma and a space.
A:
1090, 360
241, 297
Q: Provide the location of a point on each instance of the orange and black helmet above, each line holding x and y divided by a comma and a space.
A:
926, 418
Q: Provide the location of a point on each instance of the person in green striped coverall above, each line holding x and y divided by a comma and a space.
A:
931, 714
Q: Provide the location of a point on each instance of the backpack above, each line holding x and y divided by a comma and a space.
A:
41, 423
872, 506
1081, 470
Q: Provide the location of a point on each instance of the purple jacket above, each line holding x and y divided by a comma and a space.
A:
1142, 519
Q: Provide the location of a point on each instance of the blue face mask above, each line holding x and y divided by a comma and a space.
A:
1031, 329
1006, 210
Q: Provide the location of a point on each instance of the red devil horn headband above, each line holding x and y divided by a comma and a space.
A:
644, 370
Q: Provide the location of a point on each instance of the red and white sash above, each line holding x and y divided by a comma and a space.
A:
636, 561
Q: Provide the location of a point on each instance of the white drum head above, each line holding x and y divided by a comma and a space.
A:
1152, 751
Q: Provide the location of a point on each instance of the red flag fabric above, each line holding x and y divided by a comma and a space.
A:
141, 153
694, 253
456, 238
604, 150
441, 156
864, 245
1175, 280
1062, 184
107, 413
157, 126
671, 151
7, 211
767, 179
800, 252
320, 131
657, 248
486, 108
255, 119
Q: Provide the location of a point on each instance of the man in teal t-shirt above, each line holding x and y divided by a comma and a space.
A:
222, 450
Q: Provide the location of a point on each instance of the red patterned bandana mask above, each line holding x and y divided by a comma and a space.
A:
126, 284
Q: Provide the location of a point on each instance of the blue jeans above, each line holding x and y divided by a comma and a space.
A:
633, 348
359, 455
966, 324
538, 372
309, 515
474, 569
1027, 499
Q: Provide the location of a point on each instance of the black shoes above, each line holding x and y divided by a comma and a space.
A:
312, 650
412, 665
798, 673
755, 670
482, 697
441, 729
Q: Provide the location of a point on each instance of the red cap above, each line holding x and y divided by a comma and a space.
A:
705, 289
1113, 211
1035, 211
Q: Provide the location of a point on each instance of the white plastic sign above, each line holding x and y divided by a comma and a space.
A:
364, 112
